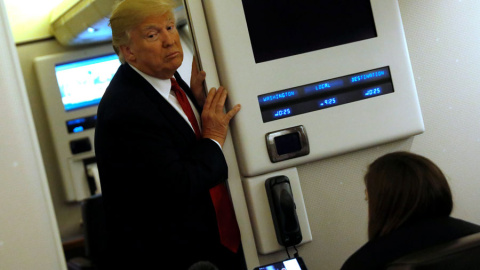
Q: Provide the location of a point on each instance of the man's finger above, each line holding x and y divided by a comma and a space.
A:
221, 101
209, 100
194, 65
217, 96
232, 112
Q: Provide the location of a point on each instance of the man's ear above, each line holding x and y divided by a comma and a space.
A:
127, 53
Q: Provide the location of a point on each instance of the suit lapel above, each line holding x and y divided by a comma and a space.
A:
165, 108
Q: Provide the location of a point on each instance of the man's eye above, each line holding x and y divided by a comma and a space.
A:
152, 36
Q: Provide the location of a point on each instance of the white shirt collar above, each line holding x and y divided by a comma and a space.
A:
162, 86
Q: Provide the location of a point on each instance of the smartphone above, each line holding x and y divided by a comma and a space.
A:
289, 264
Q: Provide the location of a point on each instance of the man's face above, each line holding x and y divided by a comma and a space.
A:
155, 47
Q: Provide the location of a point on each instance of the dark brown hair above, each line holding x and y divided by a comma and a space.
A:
404, 187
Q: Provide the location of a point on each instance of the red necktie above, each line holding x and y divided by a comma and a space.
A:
187, 109
226, 220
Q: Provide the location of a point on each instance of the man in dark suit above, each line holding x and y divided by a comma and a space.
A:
156, 167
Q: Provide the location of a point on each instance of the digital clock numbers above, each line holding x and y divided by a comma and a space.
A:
283, 112
325, 94
372, 92
328, 102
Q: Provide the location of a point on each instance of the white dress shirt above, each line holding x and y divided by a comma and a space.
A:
164, 88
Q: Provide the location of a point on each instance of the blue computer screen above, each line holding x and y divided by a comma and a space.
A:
83, 82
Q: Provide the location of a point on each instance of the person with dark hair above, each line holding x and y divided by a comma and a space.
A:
409, 206
158, 145
203, 265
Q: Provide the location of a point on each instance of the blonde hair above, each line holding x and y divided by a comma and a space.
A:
127, 14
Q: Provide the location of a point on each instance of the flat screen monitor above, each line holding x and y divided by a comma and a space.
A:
83, 82
284, 28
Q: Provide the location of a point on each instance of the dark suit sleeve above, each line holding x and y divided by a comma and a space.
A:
143, 150
155, 175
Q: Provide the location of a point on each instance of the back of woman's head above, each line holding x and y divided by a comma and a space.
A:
404, 187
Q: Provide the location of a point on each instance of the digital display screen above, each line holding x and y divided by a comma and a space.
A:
81, 124
325, 94
284, 28
291, 264
82, 83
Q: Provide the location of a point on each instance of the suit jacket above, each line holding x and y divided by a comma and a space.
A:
411, 237
155, 177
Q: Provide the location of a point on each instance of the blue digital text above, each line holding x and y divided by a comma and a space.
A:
330, 85
372, 92
278, 96
282, 112
368, 76
328, 102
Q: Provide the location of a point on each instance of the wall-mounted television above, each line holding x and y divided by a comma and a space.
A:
82, 82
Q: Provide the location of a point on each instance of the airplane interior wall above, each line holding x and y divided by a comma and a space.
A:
29, 238
443, 38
